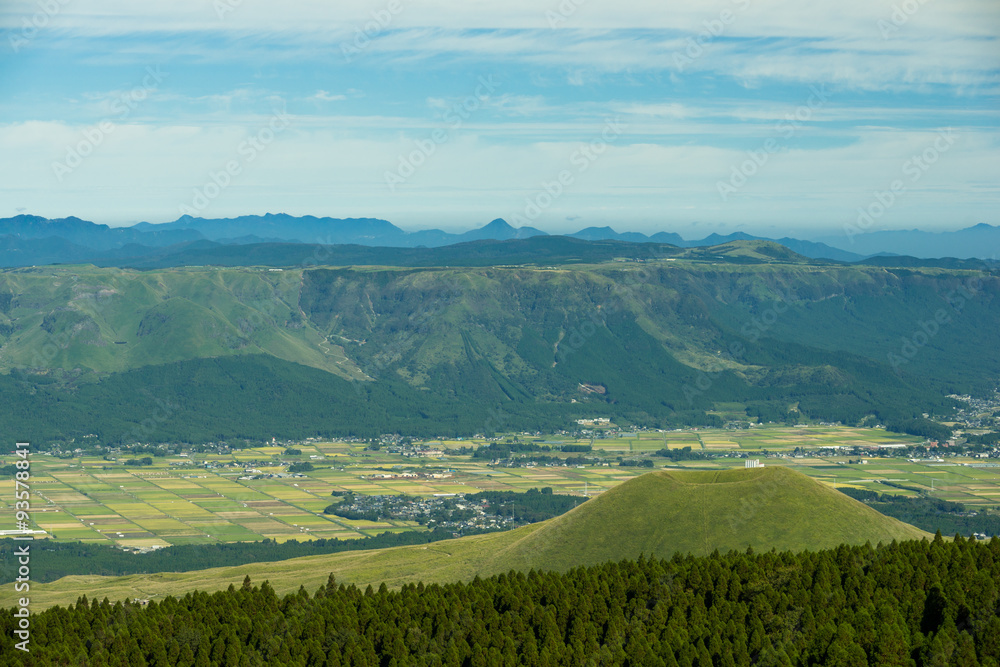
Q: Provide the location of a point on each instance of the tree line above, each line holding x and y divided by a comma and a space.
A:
911, 603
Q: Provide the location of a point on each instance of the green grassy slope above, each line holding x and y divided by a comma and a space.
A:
108, 320
697, 512
659, 514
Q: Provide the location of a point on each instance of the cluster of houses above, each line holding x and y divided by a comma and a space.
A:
444, 510
978, 412
404, 447
253, 473
410, 475
141, 550
525, 461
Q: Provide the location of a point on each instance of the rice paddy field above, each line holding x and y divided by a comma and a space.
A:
779, 439
201, 498
181, 501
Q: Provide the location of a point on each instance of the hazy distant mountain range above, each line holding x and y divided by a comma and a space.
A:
27, 240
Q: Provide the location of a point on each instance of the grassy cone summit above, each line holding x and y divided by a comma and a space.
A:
697, 512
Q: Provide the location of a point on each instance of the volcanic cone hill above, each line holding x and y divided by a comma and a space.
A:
696, 512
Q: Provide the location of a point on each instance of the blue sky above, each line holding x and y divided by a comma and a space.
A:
765, 116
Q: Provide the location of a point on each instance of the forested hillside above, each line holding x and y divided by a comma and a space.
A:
920, 603
465, 350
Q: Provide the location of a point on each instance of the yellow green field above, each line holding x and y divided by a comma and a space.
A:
176, 501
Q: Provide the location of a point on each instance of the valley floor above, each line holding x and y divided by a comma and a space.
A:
247, 495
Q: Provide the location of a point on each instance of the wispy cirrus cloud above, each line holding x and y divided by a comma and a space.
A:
325, 96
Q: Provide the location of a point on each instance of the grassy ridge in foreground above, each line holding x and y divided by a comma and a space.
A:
656, 514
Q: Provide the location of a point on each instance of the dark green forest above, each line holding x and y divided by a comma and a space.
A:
912, 603
524, 507
530, 506
254, 398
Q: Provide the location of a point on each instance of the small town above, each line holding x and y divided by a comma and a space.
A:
456, 513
